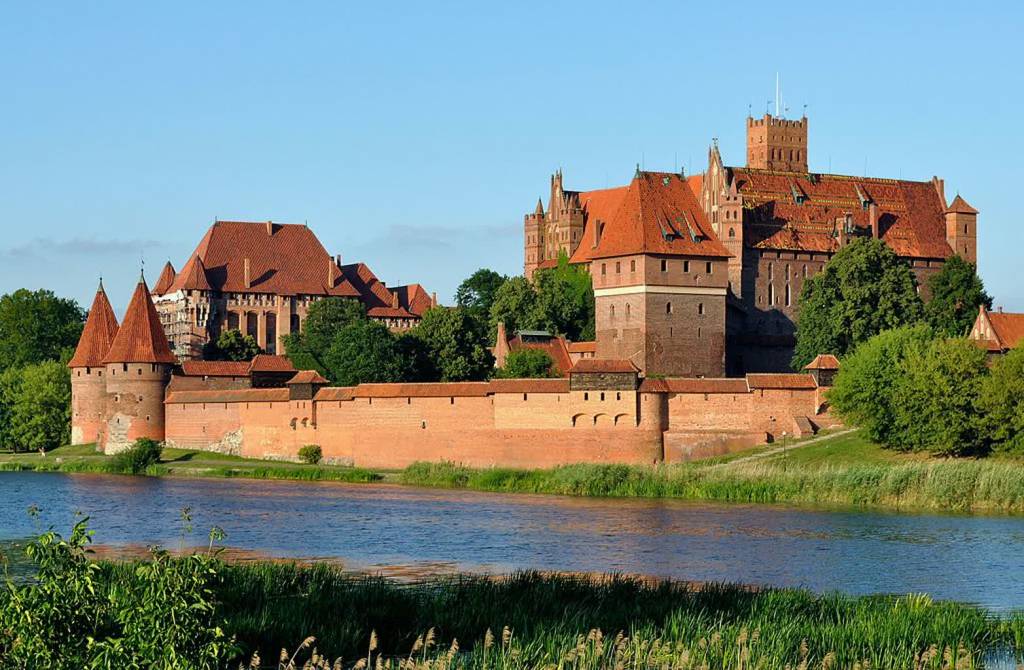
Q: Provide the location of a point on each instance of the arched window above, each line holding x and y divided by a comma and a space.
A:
788, 295
732, 232
771, 271
700, 308
627, 311
611, 312
771, 294
668, 307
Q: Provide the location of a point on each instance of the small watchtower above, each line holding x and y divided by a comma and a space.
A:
138, 366
88, 385
775, 143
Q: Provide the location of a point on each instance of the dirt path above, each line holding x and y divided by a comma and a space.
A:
788, 447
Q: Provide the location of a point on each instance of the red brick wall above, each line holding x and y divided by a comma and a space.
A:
134, 403
88, 405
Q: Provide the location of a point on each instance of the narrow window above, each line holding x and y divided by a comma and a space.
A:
618, 396
618, 267
632, 265
699, 333
586, 396
602, 395
604, 269
627, 310
686, 266
524, 397
611, 312
668, 307
771, 271
788, 295
771, 294
732, 232
709, 267
700, 308
664, 265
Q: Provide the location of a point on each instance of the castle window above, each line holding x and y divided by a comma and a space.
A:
732, 232
124, 367
965, 229
686, 266
611, 312
618, 396
139, 371
586, 396
602, 395
524, 397
771, 271
788, 295
771, 294
664, 265
604, 269
709, 267
805, 272
700, 308
627, 310
668, 307
618, 267
699, 333
632, 265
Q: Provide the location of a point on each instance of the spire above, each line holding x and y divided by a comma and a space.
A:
960, 206
140, 339
98, 333
540, 208
166, 280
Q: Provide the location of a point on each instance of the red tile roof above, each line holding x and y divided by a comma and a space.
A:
228, 395
586, 365
696, 184
960, 206
192, 277
140, 339
413, 298
270, 363
307, 377
166, 279
284, 259
823, 362
656, 214
97, 335
781, 381
557, 385
1008, 328
582, 347
389, 313
215, 368
910, 214
374, 294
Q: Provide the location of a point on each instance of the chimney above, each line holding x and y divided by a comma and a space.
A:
873, 220
330, 273
270, 227
246, 277
940, 188
597, 233
337, 259
394, 299
433, 299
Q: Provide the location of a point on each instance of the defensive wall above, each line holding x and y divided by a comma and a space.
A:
511, 423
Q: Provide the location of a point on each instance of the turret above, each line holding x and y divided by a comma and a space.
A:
962, 229
165, 281
137, 367
88, 384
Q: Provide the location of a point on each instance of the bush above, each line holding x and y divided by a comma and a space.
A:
1002, 403
311, 453
134, 460
527, 364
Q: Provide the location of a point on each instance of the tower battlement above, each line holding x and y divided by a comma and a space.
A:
774, 143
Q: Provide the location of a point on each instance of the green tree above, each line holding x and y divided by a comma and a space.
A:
565, 300
363, 352
415, 353
515, 305
457, 344
1002, 402
864, 289
326, 318
936, 399
40, 409
957, 293
37, 326
477, 292
527, 364
10, 387
232, 345
862, 393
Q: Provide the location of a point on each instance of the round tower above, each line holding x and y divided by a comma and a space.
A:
88, 380
137, 368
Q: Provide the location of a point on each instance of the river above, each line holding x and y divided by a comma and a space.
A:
407, 531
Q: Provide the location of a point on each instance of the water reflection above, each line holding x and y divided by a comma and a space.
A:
404, 530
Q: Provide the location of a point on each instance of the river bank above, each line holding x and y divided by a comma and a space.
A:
842, 470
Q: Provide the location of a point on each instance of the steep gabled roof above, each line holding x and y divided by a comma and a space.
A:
285, 259
656, 214
140, 339
191, 368
414, 298
97, 335
960, 206
1008, 329
271, 363
823, 362
192, 277
166, 279
910, 213
307, 377
371, 290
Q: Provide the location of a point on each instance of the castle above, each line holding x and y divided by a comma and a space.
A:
260, 278
699, 275
126, 384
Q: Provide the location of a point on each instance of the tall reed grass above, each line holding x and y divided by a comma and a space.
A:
554, 621
954, 485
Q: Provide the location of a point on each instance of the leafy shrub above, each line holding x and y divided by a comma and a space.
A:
72, 616
1002, 403
134, 460
311, 453
527, 364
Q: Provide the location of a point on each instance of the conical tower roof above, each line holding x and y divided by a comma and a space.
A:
163, 283
141, 338
97, 335
193, 276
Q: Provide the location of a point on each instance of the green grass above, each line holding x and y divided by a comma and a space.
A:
845, 470
272, 606
183, 463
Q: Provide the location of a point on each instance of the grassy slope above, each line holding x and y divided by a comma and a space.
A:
270, 606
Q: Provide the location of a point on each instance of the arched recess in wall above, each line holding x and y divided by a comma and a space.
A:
579, 420
603, 420
622, 419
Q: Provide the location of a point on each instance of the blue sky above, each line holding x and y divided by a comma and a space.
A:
415, 136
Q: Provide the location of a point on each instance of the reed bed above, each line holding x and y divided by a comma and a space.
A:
275, 472
951, 485
532, 620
